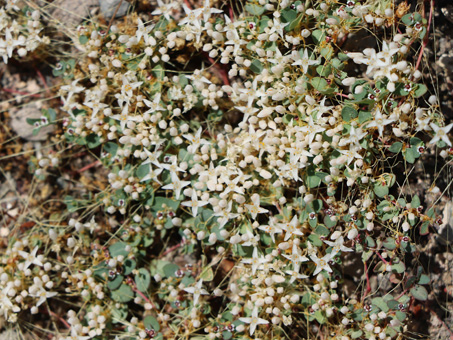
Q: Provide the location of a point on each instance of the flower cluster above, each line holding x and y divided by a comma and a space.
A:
265, 169
19, 32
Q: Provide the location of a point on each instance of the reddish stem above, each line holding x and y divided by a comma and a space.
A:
43, 80
368, 285
342, 94
63, 321
169, 250
89, 166
222, 71
188, 4
425, 40
383, 260
144, 297
230, 12
21, 93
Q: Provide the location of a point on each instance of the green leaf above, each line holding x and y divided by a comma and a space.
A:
420, 90
129, 265
327, 52
93, 141
319, 84
401, 316
118, 248
328, 222
364, 116
370, 242
226, 335
170, 270
255, 9
399, 267
424, 280
142, 171
116, 282
424, 228
415, 202
52, 115
142, 279
289, 15
380, 303
396, 147
415, 141
408, 19
256, 66
207, 274
419, 292
389, 243
124, 294
150, 322
111, 148
381, 190
411, 155
83, 39
158, 72
313, 181
318, 36
348, 113
160, 201
324, 70
393, 304
356, 334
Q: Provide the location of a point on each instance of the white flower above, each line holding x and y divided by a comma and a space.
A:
225, 215
206, 11
197, 291
271, 229
296, 258
43, 296
254, 320
379, 121
176, 185
305, 61
291, 228
337, 246
255, 261
321, 263
30, 258
441, 133
278, 27
194, 203
255, 208
196, 141
154, 105
165, 8
9, 44
73, 88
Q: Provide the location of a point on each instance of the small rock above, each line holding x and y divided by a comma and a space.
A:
108, 7
23, 129
71, 13
445, 231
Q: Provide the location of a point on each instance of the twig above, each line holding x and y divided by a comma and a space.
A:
113, 16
